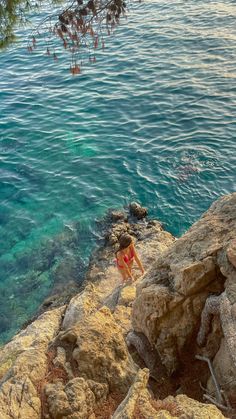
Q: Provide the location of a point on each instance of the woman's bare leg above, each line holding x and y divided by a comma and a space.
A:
124, 274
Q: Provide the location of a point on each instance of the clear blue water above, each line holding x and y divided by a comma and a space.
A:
153, 120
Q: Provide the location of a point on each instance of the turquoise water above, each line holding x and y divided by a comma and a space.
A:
153, 120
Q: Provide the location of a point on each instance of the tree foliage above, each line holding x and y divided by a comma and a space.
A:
77, 25
11, 13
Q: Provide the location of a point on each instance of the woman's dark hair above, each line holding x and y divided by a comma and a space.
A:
124, 240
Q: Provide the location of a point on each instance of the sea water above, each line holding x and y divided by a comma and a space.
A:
153, 120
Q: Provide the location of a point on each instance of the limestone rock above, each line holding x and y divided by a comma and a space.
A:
112, 299
117, 216
122, 316
60, 359
23, 364
231, 252
127, 408
196, 410
101, 352
75, 400
225, 371
19, 399
172, 294
139, 403
145, 351
225, 359
81, 305
100, 390
127, 295
137, 211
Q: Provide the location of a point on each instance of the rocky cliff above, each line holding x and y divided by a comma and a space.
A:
128, 350
189, 295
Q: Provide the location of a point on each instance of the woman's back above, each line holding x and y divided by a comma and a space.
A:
126, 254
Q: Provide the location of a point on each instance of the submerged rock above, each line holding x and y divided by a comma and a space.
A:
118, 216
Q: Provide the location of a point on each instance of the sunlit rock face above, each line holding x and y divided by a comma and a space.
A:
24, 365
139, 404
171, 297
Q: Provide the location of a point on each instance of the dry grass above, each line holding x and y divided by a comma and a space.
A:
53, 373
106, 409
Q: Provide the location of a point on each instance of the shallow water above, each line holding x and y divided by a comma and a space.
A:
153, 120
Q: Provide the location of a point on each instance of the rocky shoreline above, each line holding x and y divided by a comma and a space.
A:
162, 347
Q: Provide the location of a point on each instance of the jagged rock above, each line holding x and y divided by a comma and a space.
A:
228, 322
172, 295
195, 410
60, 362
112, 300
127, 295
67, 336
118, 216
225, 371
224, 363
112, 238
80, 306
127, 408
139, 403
100, 390
122, 316
60, 359
212, 307
101, 353
225, 359
137, 211
75, 400
231, 252
144, 349
23, 365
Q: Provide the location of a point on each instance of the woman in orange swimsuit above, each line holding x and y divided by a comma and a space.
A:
125, 257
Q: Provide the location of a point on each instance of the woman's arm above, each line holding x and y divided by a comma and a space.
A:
137, 260
128, 270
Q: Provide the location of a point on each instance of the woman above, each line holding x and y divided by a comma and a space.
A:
125, 257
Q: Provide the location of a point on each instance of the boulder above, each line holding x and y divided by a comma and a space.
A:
137, 211
139, 403
196, 410
80, 306
117, 216
101, 353
127, 408
75, 400
24, 364
225, 372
